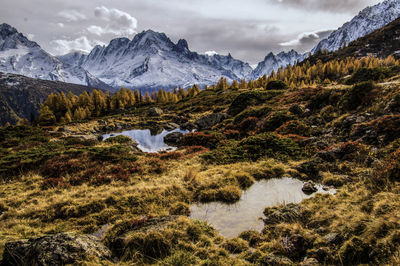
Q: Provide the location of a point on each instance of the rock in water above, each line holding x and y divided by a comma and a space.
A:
309, 187
59, 249
173, 138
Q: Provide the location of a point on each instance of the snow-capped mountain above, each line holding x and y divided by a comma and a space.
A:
19, 55
367, 21
273, 62
151, 60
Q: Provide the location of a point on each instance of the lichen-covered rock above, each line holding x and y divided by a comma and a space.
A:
59, 249
295, 246
208, 121
287, 214
155, 111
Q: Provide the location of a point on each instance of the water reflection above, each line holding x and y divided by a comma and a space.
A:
231, 220
147, 141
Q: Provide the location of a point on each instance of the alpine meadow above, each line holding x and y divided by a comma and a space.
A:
120, 145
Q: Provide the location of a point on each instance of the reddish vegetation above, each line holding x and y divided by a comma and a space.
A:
200, 139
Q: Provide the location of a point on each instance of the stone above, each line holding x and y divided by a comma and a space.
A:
309, 187
332, 238
208, 121
309, 262
296, 109
287, 214
295, 246
173, 138
171, 126
188, 126
155, 111
58, 249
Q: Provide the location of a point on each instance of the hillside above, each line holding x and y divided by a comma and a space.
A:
107, 201
21, 97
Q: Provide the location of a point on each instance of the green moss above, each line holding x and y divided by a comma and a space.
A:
120, 139
253, 148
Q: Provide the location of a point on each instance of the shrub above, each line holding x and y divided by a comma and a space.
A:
209, 140
372, 74
294, 127
388, 172
253, 148
355, 95
114, 153
276, 120
61, 165
323, 98
247, 125
120, 139
246, 99
252, 112
276, 85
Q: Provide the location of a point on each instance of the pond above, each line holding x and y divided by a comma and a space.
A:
148, 142
232, 219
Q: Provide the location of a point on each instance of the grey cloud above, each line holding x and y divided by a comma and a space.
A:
307, 40
325, 5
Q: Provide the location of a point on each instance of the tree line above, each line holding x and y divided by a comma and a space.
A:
61, 108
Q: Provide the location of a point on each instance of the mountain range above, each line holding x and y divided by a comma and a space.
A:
151, 60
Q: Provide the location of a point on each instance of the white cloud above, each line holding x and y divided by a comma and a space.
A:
82, 43
61, 25
30, 36
117, 22
307, 38
96, 30
71, 15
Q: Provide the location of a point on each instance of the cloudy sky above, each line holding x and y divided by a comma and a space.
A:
247, 29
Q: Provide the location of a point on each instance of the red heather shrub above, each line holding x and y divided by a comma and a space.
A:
62, 165
170, 155
294, 127
117, 172
200, 139
195, 149
153, 165
101, 180
231, 134
388, 172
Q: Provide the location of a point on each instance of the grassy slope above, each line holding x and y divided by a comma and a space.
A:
362, 215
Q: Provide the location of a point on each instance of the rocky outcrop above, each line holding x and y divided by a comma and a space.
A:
59, 249
173, 138
208, 121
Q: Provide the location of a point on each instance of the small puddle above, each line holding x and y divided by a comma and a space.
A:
148, 142
232, 219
